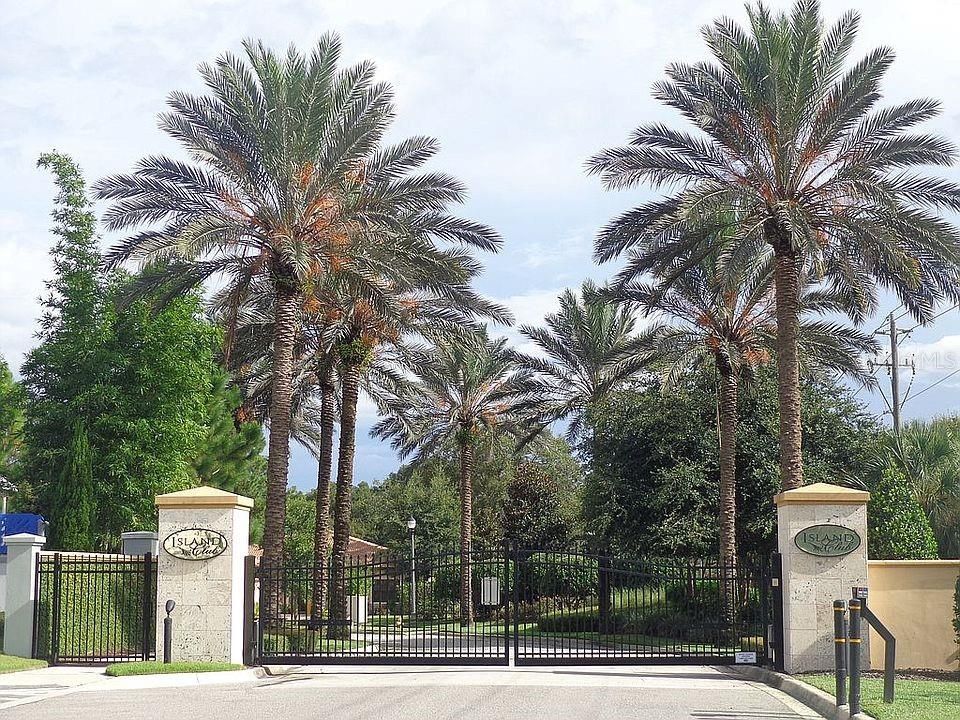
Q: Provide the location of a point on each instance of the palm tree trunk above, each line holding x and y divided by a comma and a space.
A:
728, 492
321, 534
285, 317
466, 532
787, 284
728, 466
341, 519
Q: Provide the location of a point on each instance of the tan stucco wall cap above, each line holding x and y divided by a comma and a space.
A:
915, 563
822, 494
202, 497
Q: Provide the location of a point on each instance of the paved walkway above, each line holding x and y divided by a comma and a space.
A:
31, 685
438, 693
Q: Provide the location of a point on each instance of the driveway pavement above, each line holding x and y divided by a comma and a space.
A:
408, 693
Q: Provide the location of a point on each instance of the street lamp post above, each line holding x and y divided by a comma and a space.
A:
412, 527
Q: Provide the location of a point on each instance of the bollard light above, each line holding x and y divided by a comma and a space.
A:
168, 632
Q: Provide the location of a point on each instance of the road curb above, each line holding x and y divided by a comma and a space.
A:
814, 698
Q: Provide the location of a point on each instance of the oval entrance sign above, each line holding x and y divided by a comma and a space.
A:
827, 540
195, 544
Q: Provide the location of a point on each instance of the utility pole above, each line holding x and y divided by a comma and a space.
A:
894, 375
893, 367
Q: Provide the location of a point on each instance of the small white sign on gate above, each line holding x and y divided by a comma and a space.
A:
745, 658
490, 591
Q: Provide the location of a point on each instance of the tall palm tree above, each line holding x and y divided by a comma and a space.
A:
315, 400
463, 392
720, 316
586, 347
289, 181
788, 135
386, 342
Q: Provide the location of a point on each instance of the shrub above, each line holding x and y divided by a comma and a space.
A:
701, 598
584, 620
572, 577
956, 610
446, 579
897, 527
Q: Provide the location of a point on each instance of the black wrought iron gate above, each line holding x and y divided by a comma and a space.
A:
92, 609
534, 607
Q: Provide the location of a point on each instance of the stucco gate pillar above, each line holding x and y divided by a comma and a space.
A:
204, 537
822, 535
23, 551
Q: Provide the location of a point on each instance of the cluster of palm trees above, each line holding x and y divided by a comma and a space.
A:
340, 268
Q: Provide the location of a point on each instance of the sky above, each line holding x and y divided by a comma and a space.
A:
519, 94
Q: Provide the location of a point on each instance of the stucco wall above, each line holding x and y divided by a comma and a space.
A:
914, 598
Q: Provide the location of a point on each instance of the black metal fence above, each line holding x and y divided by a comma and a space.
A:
541, 607
579, 608
390, 611
95, 608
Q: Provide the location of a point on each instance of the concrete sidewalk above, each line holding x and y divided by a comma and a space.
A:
438, 693
26, 686
29, 686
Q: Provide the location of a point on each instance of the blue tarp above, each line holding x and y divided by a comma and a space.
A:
15, 523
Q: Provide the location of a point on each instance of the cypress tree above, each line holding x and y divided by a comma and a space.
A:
70, 524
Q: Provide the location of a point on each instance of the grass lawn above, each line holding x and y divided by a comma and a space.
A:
914, 699
11, 663
154, 667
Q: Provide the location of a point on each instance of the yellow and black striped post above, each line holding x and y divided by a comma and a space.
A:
855, 641
840, 649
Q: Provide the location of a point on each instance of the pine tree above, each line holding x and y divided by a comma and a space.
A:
70, 525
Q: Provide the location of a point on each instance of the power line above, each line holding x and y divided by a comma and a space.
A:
933, 385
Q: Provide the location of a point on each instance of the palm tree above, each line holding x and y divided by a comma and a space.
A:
790, 139
289, 182
377, 345
315, 400
587, 354
927, 455
722, 319
463, 393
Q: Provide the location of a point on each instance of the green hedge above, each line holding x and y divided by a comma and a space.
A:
689, 613
562, 575
99, 613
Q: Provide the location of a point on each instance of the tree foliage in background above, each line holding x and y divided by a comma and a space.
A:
11, 419
229, 446
533, 511
586, 346
427, 490
926, 455
63, 375
141, 379
73, 510
786, 133
653, 478
897, 528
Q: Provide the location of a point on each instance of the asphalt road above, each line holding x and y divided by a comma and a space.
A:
442, 694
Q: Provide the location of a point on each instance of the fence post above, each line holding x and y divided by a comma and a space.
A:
23, 551
55, 612
604, 590
147, 608
776, 587
250, 638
